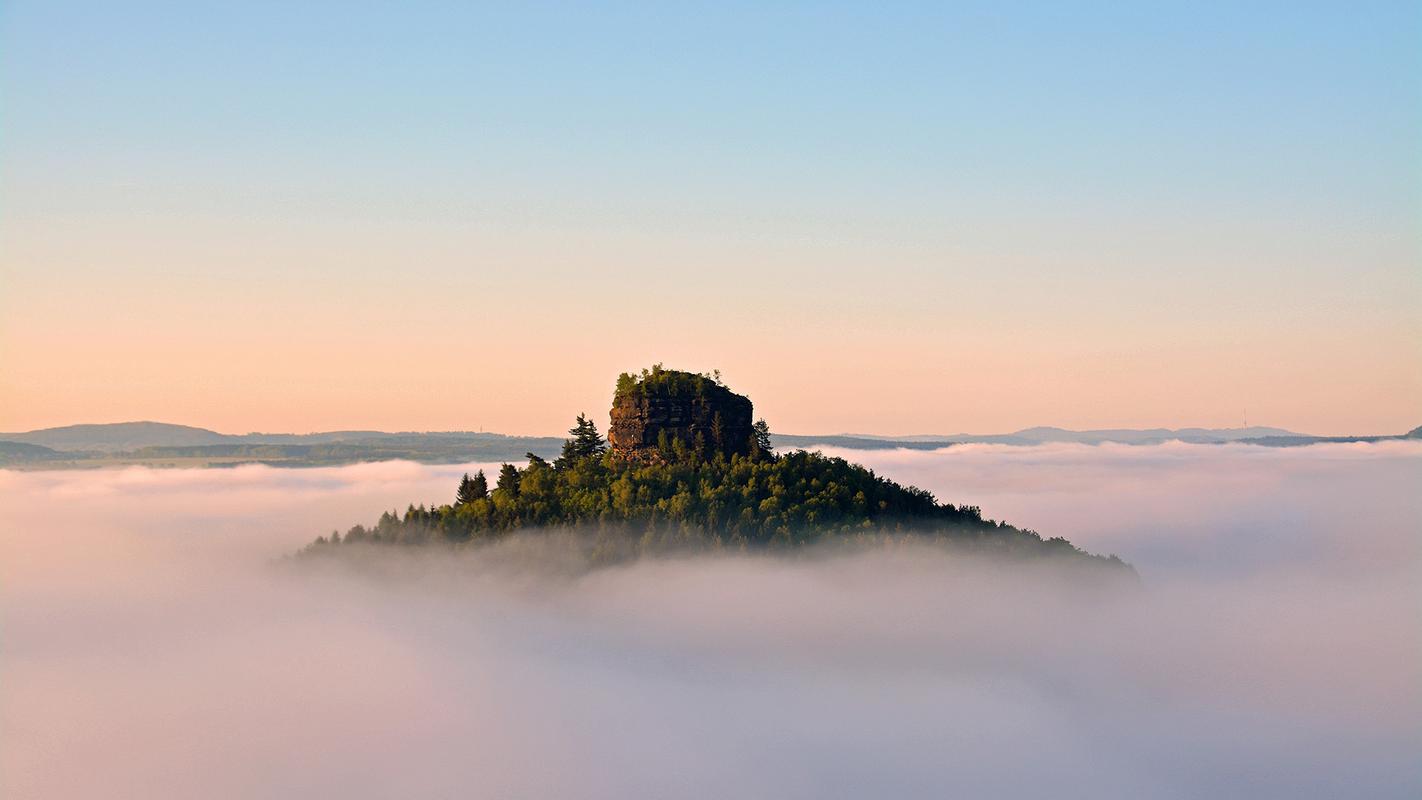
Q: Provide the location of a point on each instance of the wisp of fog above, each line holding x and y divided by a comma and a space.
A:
153, 645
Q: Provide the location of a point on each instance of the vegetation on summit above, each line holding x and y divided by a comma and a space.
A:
684, 492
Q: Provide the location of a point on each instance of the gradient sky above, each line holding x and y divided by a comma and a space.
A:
933, 218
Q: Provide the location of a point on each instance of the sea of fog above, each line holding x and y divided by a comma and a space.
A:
150, 647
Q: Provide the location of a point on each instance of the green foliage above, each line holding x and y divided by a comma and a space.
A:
471, 489
760, 438
586, 442
696, 491
745, 502
671, 382
509, 479
626, 384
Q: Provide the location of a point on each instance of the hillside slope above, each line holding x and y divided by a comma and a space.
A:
675, 485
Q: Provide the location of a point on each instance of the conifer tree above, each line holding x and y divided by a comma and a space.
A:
471, 489
508, 479
760, 438
586, 442
465, 492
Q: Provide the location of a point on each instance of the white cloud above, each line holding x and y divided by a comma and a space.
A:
152, 650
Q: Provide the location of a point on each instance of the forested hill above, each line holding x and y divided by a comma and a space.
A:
670, 483
162, 444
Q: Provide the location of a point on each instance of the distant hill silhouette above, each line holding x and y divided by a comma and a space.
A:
1302, 441
117, 436
1045, 435
161, 443
21, 451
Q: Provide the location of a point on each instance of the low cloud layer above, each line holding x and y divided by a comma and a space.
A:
152, 649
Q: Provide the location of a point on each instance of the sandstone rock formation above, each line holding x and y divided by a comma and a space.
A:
652, 413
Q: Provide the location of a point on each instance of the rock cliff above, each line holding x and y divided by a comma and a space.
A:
654, 412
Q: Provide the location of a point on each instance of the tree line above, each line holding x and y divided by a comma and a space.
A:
690, 499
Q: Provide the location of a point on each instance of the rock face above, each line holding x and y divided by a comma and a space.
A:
653, 412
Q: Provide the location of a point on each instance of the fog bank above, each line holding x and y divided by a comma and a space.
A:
150, 648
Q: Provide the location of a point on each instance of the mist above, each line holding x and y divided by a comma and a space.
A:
153, 644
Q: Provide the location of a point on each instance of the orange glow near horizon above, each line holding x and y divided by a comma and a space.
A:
912, 220
376, 335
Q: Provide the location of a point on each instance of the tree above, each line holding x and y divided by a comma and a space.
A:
685, 498
781, 501
626, 384
471, 489
760, 438
508, 480
586, 442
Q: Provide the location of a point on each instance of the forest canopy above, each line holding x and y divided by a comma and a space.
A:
689, 498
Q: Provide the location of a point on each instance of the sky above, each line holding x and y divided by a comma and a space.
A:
929, 218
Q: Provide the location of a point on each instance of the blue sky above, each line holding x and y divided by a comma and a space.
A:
1153, 172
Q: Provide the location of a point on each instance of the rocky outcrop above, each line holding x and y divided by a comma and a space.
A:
652, 413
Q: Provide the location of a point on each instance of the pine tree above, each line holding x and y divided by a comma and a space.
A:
508, 479
465, 492
760, 439
586, 439
586, 442
471, 489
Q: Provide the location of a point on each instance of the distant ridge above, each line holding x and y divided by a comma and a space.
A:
117, 436
21, 451
1046, 434
124, 436
167, 444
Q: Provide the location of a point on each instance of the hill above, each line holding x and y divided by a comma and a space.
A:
1047, 435
674, 479
17, 452
1303, 441
846, 442
161, 444
116, 437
